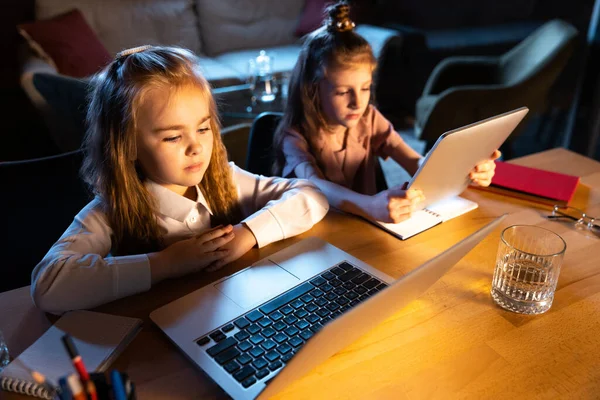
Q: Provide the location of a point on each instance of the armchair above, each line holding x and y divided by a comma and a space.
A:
463, 90
42, 196
260, 156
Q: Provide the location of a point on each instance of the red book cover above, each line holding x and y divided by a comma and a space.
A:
534, 184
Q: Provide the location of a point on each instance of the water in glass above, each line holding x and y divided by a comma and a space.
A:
527, 269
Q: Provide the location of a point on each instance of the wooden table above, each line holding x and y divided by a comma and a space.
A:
453, 342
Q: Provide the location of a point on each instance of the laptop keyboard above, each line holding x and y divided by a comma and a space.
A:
253, 347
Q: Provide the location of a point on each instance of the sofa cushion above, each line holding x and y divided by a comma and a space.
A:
283, 59
121, 24
68, 43
227, 25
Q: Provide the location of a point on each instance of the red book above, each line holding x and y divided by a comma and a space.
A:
533, 184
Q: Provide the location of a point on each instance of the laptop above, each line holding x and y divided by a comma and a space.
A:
256, 331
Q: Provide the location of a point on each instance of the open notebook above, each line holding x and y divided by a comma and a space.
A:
99, 337
429, 217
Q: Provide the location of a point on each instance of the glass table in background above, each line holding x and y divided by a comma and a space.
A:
241, 103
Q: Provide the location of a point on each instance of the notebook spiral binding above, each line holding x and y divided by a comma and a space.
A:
25, 387
432, 213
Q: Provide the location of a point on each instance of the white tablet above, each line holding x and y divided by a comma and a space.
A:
445, 170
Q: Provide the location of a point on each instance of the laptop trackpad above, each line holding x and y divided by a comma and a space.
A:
257, 284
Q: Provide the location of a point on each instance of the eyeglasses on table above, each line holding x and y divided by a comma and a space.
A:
579, 217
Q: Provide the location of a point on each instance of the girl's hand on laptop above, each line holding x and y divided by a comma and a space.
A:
191, 255
483, 172
244, 240
394, 205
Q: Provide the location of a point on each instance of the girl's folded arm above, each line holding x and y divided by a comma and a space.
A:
78, 273
277, 208
338, 196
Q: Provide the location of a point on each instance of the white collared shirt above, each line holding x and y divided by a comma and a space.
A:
78, 271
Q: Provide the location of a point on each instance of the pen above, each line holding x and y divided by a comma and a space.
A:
75, 358
77, 361
117, 385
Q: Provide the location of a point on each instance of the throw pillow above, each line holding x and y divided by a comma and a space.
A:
68, 43
121, 24
67, 100
230, 25
312, 16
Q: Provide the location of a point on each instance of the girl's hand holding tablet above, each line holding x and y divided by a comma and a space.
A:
483, 172
395, 204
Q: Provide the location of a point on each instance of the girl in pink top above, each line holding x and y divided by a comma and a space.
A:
330, 133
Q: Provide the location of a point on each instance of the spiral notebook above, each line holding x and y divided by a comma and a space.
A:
99, 337
429, 217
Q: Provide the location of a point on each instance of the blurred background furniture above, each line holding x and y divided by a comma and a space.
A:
62, 102
225, 35
235, 139
260, 157
42, 197
239, 104
463, 90
424, 32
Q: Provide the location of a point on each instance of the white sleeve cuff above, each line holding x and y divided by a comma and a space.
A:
265, 227
132, 275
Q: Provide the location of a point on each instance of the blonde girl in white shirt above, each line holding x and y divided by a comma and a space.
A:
167, 201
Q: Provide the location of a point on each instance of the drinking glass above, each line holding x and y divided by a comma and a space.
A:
260, 77
527, 267
4, 358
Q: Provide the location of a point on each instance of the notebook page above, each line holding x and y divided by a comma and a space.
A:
417, 223
97, 336
452, 207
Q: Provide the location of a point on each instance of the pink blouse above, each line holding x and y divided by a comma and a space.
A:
353, 165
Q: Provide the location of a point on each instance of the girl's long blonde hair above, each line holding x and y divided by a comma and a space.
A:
110, 165
335, 45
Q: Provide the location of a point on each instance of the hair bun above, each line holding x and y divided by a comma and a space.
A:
339, 17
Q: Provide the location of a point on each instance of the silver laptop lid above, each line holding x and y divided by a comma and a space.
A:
356, 322
445, 171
